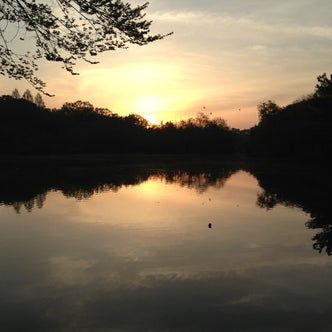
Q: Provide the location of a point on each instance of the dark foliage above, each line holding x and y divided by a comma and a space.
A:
300, 130
80, 128
324, 86
303, 185
26, 181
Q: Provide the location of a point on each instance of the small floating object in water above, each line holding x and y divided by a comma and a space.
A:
210, 225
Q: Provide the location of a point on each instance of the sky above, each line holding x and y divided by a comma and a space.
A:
223, 59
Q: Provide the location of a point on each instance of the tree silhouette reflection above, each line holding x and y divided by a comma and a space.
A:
323, 239
299, 186
25, 185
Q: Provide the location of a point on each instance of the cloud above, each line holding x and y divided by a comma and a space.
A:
207, 19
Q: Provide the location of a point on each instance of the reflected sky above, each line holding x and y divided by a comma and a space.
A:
144, 259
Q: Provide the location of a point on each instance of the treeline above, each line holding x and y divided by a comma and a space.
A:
301, 129
80, 128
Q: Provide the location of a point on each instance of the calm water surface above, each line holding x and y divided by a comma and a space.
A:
143, 257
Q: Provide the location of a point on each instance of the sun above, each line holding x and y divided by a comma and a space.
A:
150, 107
151, 119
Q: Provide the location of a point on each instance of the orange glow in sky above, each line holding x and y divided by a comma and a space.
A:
148, 106
224, 58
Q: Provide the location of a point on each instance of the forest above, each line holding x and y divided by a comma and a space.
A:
300, 129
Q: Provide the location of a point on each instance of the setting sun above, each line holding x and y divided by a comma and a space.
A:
225, 74
149, 106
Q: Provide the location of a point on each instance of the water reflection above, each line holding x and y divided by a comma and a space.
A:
297, 185
26, 185
138, 255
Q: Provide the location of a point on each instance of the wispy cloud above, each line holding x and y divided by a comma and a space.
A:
203, 20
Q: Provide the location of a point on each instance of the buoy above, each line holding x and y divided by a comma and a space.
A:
210, 225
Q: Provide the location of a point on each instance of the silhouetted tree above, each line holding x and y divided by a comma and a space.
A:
302, 129
323, 239
201, 120
79, 105
39, 100
27, 95
78, 127
16, 94
267, 109
83, 178
324, 86
65, 31
303, 185
267, 200
136, 120
103, 111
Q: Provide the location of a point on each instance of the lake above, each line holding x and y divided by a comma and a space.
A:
165, 245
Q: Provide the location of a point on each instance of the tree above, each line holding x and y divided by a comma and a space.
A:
136, 120
324, 86
27, 96
16, 94
202, 120
267, 109
78, 106
39, 100
65, 31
